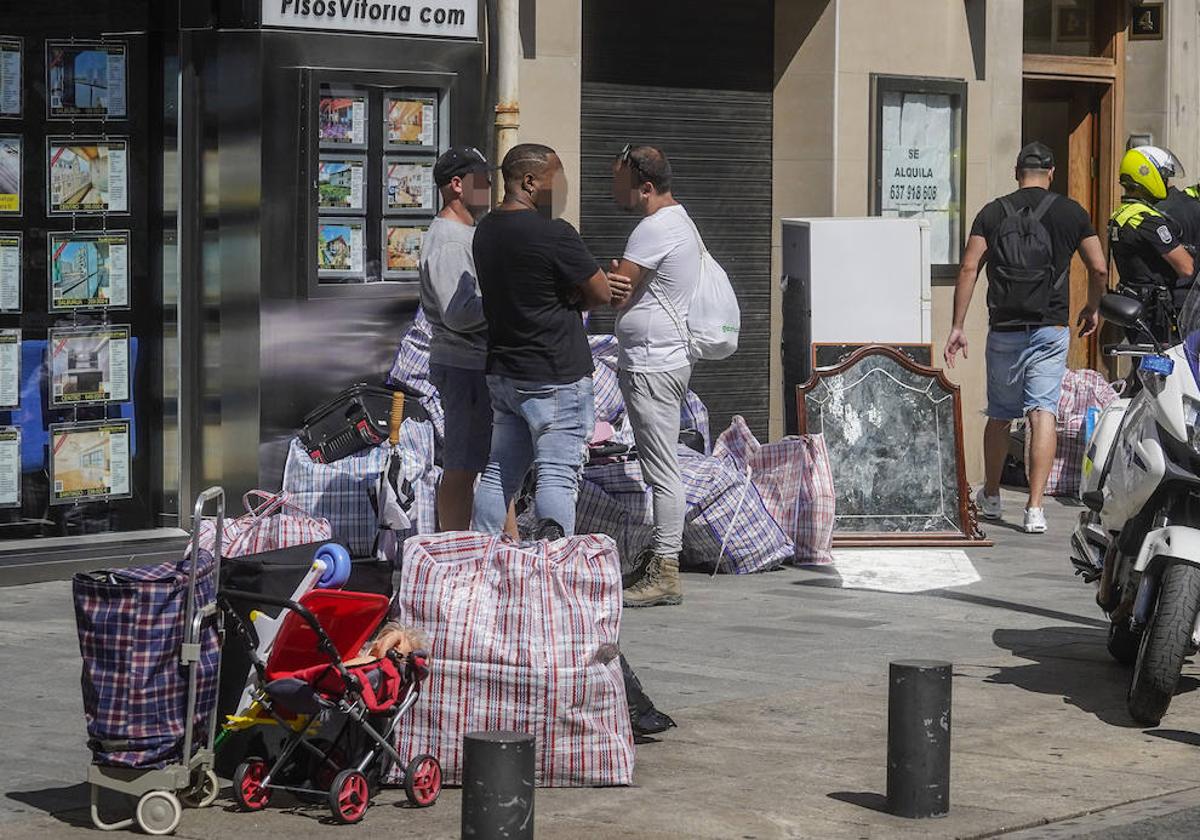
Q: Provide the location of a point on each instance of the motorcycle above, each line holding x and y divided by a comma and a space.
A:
1139, 537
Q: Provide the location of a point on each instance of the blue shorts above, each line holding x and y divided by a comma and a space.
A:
467, 405
1025, 370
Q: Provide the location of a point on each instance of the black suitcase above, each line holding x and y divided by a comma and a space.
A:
354, 420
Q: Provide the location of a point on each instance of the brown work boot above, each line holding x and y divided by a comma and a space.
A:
658, 587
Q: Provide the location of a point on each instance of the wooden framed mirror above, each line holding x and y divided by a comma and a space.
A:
894, 433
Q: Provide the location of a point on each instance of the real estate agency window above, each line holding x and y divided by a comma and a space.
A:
918, 136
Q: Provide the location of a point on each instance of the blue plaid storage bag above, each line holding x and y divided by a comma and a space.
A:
130, 624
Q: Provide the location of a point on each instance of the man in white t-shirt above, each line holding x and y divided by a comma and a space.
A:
653, 284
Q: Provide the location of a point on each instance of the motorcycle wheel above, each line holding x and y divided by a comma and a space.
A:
1165, 644
1123, 643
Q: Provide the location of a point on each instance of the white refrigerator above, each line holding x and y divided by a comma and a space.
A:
851, 281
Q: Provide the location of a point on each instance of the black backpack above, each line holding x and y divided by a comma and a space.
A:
1021, 266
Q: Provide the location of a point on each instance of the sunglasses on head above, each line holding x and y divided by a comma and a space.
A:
625, 158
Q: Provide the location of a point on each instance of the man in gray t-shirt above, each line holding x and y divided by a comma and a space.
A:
458, 347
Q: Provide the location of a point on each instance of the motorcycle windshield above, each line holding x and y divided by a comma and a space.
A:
1189, 328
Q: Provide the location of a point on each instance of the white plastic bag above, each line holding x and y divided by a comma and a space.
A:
714, 317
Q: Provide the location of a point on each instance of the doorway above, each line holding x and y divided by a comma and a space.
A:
1066, 116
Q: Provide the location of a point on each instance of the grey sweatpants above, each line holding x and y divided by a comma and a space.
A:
653, 402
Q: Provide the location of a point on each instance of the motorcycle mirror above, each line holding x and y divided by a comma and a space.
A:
1121, 310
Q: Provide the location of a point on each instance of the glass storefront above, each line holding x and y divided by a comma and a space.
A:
87, 276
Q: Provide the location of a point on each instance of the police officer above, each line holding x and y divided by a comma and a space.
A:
1147, 244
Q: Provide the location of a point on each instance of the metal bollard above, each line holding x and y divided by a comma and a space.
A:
497, 786
918, 771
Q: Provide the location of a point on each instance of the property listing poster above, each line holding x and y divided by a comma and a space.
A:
408, 185
88, 176
340, 246
343, 120
10, 368
410, 120
10, 176
86, 79
10, 76
88, 270
89, 461
10, 271
402, 249
10, 466
340, 184
89, 365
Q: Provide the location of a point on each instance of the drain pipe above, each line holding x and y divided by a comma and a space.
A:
508, 72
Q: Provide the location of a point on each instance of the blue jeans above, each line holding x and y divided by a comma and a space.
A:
1025, 370
547, 426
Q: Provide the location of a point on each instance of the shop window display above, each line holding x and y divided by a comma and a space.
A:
84, 216
370, 208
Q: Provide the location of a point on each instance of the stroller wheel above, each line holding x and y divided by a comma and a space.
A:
203, 791
158, 812
423, 781
349, 796
248, 786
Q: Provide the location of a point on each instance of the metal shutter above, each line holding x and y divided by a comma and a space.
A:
696, 80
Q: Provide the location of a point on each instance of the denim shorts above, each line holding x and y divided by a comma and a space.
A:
467, 405
1025, 370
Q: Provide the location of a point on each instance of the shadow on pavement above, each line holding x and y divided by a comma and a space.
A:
1192, 739
863, 799
1070, 662
66, 804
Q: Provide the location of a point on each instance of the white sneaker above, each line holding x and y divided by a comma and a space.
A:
1035, 520
990, 507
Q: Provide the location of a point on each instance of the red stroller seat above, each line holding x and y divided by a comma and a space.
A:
306, 674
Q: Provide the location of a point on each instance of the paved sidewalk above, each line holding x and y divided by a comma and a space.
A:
779, 685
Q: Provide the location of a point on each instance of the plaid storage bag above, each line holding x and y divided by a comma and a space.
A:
795, 482
1081, 390
410, 370
338, 492
130, 624
271, 522
523, 637
725, 516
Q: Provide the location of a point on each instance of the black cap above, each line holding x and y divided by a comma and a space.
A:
458, 161
1035, 155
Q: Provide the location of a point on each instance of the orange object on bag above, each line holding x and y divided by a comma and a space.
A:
396, 417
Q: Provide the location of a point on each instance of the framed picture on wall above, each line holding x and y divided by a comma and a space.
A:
342, 118
89, 462
402, 249
10, 175
11, 243
340, 246
88, 269
89, 365
918, 138
10, 466
408, 186
340, 184
85, 80
1146, 22
87, 176
410, 120
1072, 23
11, 59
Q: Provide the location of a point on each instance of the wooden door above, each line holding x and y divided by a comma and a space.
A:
1065, 115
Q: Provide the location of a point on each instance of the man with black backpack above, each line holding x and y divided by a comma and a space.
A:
1026, 238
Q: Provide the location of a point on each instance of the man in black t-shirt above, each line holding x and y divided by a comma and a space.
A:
1027, 358
535, 276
